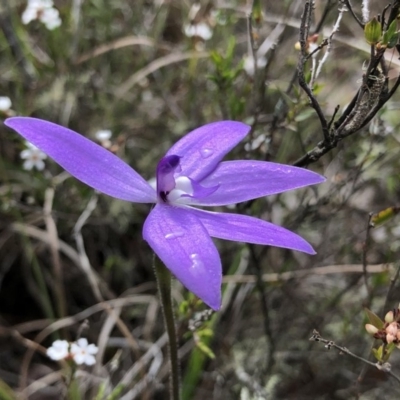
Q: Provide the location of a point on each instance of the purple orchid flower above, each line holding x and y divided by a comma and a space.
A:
190, 174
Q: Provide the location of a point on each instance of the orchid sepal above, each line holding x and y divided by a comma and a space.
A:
85, 160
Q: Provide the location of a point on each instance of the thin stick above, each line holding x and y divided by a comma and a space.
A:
320, 271
364, 259
304, 33
365, 11
386, 367
84, 260
54, 249
335, 29
350, 7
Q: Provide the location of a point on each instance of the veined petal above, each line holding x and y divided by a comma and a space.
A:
199, 191
85, 160
184, 246
245, 180
202, 149
242, 228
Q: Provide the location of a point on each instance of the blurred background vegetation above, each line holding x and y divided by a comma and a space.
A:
73, 263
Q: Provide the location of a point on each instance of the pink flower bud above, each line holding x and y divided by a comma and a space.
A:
371, 329
389, 317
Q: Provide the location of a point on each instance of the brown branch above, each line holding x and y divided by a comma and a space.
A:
364, 258
304, 33
350, 7
385, 367
393, 281
394, 12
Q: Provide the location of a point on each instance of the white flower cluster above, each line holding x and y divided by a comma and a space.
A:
80, 351
197, 28
248, 64
104, 136
5, 103
33, 158
256, 143
44, 11
200, 30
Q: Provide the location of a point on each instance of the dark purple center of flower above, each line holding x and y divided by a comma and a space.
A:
166, 169
173, 187
163, 196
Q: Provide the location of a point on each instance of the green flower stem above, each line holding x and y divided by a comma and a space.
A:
164, 288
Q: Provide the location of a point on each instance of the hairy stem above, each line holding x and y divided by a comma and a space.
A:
163, 277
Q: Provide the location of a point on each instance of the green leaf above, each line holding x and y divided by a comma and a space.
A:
74, 392
393, 40
101, 391
6, 393
390, 37
216, 58
373, 31
384, 215
206, 332
230, 52
381, 279
317, 88
257, 12
374, 319
205, 349
115, 395
306, 114
378, 353
392, 28
388, 351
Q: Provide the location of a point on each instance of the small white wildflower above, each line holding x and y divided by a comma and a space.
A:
43, 11
5, 103
83, 353
33, 158
248, 64
103, 134
256, 143
29, 15
59, 350
200, 30
51, 18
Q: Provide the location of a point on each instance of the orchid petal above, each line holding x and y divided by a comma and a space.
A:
200, 191
85, 160
242, 228
202, 149
183, 244
245, 180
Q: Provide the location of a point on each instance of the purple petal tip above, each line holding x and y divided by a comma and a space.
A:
84, 159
